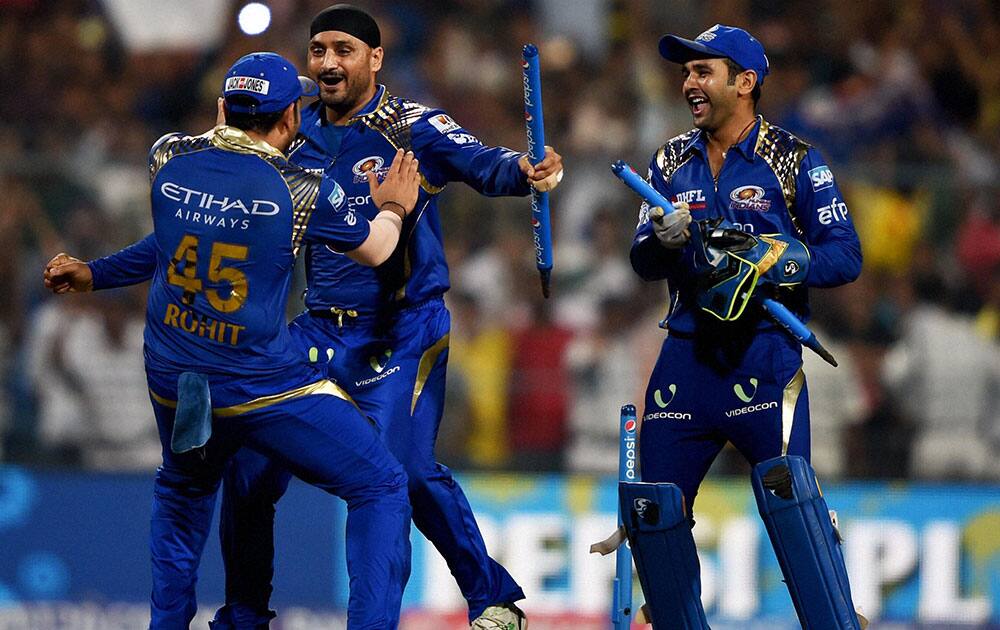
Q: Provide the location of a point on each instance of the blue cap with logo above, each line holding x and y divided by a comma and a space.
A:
718, 41
264, 83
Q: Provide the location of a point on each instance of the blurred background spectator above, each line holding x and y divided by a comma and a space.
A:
900, 96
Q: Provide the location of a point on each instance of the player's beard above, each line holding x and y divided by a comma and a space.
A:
718, 112
354, 89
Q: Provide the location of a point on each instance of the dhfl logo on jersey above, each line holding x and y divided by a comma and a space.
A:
695, 199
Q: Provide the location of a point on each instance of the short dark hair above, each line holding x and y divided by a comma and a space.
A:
735, 69
259, 123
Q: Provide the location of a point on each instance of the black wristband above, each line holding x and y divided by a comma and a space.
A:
402, 211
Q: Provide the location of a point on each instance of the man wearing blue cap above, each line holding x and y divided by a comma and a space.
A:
757, 209
385, 329
230, 213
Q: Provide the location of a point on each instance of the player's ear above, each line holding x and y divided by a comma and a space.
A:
376, 59
290, 117
747, 81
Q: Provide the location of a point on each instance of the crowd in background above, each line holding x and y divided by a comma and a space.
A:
903, 99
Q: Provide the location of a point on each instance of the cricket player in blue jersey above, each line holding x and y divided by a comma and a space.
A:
756, 210
385, 328
230, 214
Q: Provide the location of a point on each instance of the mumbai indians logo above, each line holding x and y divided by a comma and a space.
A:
742, 395
708, 35
749, 198
372, 163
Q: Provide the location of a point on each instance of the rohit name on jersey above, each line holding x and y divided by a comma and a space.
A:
213, 205
202, 326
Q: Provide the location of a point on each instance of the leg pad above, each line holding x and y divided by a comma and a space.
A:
665, 557
806, 542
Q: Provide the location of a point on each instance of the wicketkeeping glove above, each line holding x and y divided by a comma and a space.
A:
672, 229
735, 263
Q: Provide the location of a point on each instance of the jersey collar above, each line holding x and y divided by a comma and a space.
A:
314, 116
746, 147
233, 139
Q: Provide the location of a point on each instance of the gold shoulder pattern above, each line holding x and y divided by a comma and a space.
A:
393, 118
672, 155
303, 186
783, 153
172, 145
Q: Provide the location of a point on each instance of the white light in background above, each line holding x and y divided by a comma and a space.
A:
254, 18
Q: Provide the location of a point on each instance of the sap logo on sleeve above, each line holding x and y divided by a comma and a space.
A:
836, 211
821, 177
337, 197
443, 123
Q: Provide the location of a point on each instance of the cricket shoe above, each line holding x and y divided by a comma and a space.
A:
501, 617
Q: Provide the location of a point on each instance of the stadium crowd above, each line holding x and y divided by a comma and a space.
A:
898, 94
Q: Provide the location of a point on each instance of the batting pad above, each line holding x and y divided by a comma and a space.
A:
664, 554
806, 543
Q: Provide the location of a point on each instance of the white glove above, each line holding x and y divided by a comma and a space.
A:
672, 229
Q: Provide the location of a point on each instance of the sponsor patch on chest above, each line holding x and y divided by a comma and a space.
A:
694, 198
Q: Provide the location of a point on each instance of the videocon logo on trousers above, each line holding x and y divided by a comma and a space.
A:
379, 363
376, 361
746, 398
666, 415
658, 396
741, 393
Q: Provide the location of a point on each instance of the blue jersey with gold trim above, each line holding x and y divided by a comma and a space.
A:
447, 152
229, 216
770, 182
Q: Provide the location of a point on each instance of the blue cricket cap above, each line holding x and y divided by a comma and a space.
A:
718, 41
270, 82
